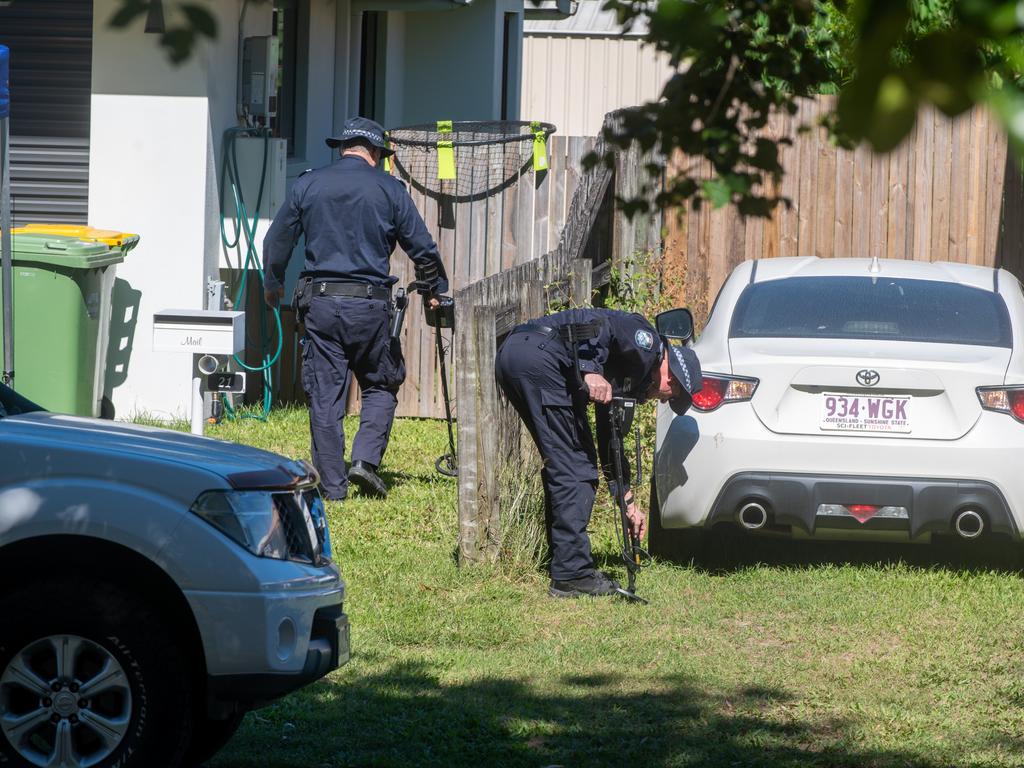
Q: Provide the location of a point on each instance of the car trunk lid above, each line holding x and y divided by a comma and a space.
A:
867, 387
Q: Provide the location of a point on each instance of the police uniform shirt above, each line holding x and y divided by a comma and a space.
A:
353, 215
625, 351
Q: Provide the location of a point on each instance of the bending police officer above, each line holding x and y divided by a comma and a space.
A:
620, 355
352, 215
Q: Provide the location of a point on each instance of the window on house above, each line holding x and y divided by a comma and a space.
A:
373, 47
291, 28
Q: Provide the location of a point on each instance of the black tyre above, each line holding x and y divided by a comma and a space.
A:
90, 676
677, 545
209, 737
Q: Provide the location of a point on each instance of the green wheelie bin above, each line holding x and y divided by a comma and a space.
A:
62, 290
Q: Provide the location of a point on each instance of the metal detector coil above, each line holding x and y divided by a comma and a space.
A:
443, 316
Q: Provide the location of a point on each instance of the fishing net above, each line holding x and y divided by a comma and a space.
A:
468, 160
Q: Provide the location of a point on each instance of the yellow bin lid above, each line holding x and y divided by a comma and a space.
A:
123, 240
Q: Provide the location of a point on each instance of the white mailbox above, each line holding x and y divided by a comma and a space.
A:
200, 331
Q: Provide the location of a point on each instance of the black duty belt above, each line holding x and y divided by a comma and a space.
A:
579, 331
352, 290
544, 330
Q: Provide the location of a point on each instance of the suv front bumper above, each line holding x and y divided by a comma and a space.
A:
328, 648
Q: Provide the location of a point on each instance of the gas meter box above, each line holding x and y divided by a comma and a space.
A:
62, 289
199, 331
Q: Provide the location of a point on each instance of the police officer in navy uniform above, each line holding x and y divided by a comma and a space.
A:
352, 214
619, 355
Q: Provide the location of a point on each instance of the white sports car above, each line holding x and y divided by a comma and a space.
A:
851, 398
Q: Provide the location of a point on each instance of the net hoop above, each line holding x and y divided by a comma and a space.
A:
397, 137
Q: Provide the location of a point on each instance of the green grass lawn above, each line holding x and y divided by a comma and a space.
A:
800, 664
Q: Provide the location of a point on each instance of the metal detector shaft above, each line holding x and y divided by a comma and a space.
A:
632, 553
439, 342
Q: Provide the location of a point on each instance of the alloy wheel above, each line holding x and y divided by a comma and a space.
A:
65, 702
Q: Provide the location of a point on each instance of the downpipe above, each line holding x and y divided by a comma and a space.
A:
753, 516
968, 524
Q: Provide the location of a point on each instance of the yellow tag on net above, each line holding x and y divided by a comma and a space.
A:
445, 160
540, 147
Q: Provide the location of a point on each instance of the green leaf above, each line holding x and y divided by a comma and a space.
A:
717, 192
1008, 105
894, 114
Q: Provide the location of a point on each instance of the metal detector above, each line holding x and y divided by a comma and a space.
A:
634, 556
620, 416
441, 317
444, 317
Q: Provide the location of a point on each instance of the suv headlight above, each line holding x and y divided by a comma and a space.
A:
276, 525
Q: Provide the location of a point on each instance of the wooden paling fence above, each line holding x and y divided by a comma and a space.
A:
950, 192
493, 444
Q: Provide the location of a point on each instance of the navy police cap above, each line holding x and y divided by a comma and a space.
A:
685, 368
361, 128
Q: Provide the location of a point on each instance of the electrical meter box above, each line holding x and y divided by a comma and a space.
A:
200, 331
259, 78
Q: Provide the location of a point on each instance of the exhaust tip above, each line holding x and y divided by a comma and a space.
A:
753, 516
969, 524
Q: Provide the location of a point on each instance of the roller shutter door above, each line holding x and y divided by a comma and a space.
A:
51, 79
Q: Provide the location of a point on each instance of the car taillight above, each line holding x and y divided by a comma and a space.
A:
723, 389
1008, 400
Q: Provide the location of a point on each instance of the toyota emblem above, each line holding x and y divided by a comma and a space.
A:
867, 377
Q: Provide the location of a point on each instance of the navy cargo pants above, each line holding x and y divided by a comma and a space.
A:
346, 336
536, 374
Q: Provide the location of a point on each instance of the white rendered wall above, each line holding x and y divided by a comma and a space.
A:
155, 138
573, 81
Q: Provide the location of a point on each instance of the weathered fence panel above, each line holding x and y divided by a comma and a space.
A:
950, 192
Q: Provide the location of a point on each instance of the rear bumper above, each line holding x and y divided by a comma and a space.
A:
794, 500
700, 457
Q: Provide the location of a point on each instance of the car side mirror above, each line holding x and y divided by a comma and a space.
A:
675, 324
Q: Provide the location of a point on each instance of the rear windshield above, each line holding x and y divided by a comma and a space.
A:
866, 308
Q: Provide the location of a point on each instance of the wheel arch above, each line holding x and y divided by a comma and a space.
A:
117, 564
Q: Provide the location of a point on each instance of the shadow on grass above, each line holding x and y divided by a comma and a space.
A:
724, 550
408, 717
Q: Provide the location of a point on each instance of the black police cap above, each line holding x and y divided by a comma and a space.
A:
685, 368
361, 128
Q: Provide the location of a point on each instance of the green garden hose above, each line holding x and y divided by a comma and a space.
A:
229, 177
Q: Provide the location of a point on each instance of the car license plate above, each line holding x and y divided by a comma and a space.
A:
865, 413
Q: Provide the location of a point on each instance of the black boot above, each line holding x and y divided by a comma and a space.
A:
364, 475
594, 584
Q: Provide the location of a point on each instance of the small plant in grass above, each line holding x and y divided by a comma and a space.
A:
523, 536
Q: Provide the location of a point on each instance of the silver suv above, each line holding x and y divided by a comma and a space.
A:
154, 586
